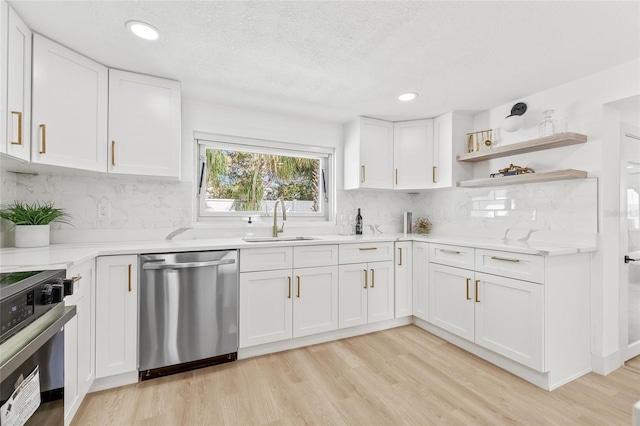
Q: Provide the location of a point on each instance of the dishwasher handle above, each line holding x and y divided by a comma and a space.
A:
155, 265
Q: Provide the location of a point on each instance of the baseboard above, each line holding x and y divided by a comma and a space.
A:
284, 345
605, 364
114, 381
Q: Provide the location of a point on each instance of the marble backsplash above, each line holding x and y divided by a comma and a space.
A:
144, 209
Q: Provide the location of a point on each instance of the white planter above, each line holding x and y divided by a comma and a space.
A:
31, 235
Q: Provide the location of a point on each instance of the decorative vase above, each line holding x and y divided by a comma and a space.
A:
32, 235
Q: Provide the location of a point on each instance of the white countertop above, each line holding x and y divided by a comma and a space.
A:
63, 256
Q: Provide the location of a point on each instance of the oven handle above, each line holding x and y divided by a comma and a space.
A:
64, 313
154, 265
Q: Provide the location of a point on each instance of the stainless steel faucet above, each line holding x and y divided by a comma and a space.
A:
277, 230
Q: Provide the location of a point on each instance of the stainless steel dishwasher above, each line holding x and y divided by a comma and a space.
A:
188, 311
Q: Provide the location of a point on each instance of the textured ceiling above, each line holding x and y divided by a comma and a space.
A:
336, 60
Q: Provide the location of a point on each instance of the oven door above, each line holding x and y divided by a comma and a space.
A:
41, 346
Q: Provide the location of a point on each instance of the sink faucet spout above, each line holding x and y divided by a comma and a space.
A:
277, 230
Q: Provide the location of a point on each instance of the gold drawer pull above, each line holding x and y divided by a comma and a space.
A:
298, 279
113, 153
362, 174
400, 262
373, 278
468, 282
433, 174
477, 295
368, 248
44, 139
366, 278
19, 141
289, 296
449, 251
76, 278
504, 259
396, 176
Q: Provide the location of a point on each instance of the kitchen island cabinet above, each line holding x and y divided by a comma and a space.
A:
69, 105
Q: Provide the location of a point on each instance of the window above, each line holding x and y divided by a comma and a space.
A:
241, 177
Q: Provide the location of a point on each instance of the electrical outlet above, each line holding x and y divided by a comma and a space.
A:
103, 211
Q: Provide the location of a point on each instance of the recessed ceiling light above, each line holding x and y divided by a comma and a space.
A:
143, 30
408, 96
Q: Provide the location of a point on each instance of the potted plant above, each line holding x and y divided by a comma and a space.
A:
32, 222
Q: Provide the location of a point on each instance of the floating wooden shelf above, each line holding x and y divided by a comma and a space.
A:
525, 178
555, 141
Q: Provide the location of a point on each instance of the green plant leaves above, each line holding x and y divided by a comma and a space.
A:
33, 214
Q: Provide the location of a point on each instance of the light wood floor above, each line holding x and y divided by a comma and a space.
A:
393, 377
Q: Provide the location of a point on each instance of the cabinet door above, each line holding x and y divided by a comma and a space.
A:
380, 295
353, 282
144, 125
376, 154
451, 298
265, 307
403, 280
69, 105
4, 23
509, 318
116, 315
413, 154
450, 137
421, 280
315, 305
19, 88
72, 396
80, 353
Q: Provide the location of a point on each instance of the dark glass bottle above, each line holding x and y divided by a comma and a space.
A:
358, 223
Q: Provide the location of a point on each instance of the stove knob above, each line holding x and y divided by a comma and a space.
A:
47, 294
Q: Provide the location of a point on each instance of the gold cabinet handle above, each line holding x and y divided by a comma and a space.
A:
449, 251
113, 153
468, 282
19, 141
298, 279
362, 174
367, 248
504, 259
289, 296
400, 261
76, 278
477, 295
373, 278
43, 127
366, 278
129, 277
396, 176
433, 174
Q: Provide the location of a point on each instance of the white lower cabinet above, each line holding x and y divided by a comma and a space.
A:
116, 315
420, 260
366, 293
403, 279
282, 304
502, 314
79, 339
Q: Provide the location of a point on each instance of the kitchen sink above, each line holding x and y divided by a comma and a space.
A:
277, 239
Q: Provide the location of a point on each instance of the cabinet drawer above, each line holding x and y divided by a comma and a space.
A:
458, 256
266, 259
310, 256
527, 267
365, 252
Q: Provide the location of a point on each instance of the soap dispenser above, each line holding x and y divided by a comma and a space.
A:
249, 232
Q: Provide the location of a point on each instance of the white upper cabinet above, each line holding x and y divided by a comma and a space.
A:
144, 125
4, 12
449, 140
18, 109
412, 153
368, 154
69, 122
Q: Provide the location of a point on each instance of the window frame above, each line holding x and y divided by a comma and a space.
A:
326, 155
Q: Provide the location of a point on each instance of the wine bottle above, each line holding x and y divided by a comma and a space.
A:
359, 223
